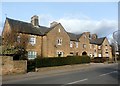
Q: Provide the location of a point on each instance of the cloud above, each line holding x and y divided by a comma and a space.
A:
44, 19
101, 27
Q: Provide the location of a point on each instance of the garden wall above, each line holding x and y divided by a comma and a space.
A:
9, 66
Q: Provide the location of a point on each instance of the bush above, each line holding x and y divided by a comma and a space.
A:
59, 61
100, 59
31, 65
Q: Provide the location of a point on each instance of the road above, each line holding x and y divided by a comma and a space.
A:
107, 74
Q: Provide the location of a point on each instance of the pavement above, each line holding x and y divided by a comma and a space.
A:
52, 71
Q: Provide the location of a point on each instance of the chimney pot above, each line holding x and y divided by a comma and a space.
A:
35, 20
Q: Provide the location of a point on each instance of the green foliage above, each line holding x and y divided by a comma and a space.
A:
30, 65
18, 53
59, 61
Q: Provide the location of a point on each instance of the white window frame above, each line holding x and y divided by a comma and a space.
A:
59, 52
76, 44
107, 55
71, 44
99, 55
59, 30
32, 40
32, 55
90, 54
59, 41
84, 45
99, 47
18, 39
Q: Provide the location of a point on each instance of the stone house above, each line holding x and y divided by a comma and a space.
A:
55, 41
101, 48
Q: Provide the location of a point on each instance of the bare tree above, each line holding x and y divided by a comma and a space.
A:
15, 44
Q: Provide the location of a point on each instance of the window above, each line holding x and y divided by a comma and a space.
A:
90, 55
107, 55
76, 44
32, 40
32, 55
105, 45
71, 53
89, 36
59, 53
58, 30
99, 47
99, 55
18, 39
59, 42
84, 45
71, 44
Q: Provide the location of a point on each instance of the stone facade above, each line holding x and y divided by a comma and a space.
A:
8, 66
52, 46
55, 41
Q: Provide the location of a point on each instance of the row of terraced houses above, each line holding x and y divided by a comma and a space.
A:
55, 41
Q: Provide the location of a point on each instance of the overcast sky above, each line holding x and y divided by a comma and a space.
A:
77, 17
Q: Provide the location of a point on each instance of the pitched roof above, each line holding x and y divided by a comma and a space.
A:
74, 37
97, 41
24, 27
28, 28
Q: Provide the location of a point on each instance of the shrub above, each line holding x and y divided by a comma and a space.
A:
31, 65
59, 61
100, 59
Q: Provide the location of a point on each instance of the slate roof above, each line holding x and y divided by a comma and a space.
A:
97, 41
24, 27
74, 37
28, 28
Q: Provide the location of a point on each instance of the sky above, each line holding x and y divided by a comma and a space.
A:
76, 17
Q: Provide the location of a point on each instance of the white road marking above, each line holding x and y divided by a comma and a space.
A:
107, 73
77, 81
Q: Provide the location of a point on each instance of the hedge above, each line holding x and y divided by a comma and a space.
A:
59, 61
100, 59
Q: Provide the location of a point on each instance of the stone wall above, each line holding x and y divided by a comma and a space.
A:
8, 66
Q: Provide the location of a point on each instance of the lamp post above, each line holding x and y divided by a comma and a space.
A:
116, 37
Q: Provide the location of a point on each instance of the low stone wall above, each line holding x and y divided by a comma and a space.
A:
9, 66
20, 66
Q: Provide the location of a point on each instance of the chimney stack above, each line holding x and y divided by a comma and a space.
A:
35, 20
53, 24
94, 36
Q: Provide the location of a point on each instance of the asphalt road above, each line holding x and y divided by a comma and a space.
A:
97, 75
